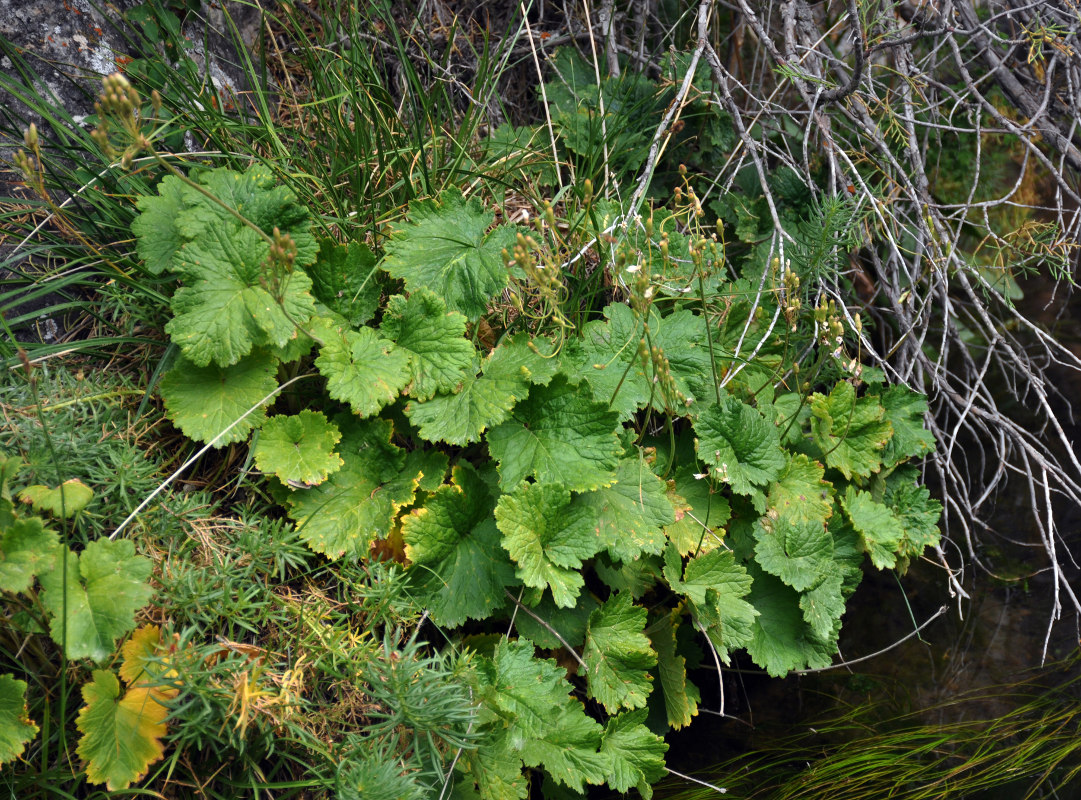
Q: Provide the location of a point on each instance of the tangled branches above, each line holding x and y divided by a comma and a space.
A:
950, 129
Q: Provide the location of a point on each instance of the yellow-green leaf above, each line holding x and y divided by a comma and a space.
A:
121, 737
16, 727
65, 500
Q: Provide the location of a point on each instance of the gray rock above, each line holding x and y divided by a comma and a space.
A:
68, 46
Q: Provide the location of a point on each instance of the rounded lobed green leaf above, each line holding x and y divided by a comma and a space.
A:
879, 528
851, 432
205, 401
630, 514
607, 358
361, 368
782, 640
298, 448
454, 547
485, 400
439, 355
257, 195
446, 247
360, 502
741, 447
27, 548
617, 653
93, 603
344, 280
68, 499
225, 308
548, 537
558, 435
799, 552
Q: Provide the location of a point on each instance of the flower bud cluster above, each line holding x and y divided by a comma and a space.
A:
788, 294
30, 165
119, 132
543, 276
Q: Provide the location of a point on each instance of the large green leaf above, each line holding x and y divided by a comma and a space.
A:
700, 510
446, 247
850, 432
16, 727
344, 280
798, 552
740, 445
559, 436
800, 493
568, 749
65, 500
631, 513
681, 697
549, 537
607, 357
905, 410
522, 692
782, 640
439, 355
879, 528
454, 546
617, 654
529, 701
257, 195
495, 768
717, 587
359, 503
121, 737
27, 548
484, 400
224, 309
92, 597
157, 240
569, 623
633, 754
362, 369
823, 604
915, 509
204, 401
298, 448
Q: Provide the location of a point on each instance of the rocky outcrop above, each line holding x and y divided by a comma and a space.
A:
59, 50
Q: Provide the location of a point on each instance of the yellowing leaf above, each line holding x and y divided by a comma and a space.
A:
359, 503
121, 737
141, 667
16, 728
65, 500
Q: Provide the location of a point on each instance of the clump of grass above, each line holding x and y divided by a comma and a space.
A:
1030, 751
